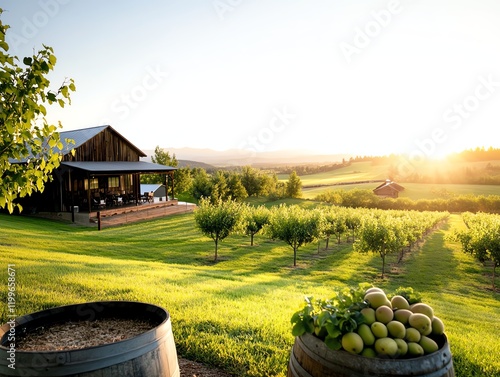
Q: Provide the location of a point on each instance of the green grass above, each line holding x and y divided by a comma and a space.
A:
235, 313
357, 171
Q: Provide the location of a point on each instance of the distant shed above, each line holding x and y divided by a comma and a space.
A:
159, 191
388, 189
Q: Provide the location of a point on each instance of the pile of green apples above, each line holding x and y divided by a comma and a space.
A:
394, 328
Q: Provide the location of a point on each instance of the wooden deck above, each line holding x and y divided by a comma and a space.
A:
128, 214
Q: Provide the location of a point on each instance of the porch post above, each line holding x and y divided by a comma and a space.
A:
88, 193
172, 180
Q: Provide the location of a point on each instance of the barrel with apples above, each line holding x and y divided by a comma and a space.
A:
365, 332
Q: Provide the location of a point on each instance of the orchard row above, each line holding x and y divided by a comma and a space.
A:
481, 238
379, 231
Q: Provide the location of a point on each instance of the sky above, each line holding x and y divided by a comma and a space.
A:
417, 77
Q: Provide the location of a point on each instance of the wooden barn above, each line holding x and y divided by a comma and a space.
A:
388, 189
104, 171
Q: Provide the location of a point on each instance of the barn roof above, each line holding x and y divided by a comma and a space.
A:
83, 135
117, 167
389, 185
80, 137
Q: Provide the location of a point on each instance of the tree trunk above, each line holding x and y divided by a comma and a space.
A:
494, 268
327, 242
294, 257
382, 254
216, 242
251, 239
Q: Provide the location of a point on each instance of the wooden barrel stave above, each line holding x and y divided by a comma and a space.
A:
310, 357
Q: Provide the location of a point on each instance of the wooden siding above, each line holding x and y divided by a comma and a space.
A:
105, 146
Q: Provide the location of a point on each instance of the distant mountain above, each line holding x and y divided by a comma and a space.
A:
238, 157
194, 164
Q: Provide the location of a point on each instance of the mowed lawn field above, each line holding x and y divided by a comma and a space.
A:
235, 314
315, 184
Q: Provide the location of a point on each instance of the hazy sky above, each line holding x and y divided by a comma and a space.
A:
362, 77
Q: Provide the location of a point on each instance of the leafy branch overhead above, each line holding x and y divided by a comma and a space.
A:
29, 146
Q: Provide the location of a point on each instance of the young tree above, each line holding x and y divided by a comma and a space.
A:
254, 219
235, 187
29, 146
294, 186
220, 190
161, 157
335, 223
381, 236
293, 225
250, 180
201, 186
217, 220
183, 179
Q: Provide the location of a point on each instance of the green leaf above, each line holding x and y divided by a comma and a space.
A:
27, 60
333, 343
298, 329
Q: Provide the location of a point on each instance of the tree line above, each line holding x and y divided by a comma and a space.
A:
236, 184
454, 203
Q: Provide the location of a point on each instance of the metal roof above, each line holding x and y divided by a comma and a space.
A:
148, 187
109, 167
80, 137
83, 135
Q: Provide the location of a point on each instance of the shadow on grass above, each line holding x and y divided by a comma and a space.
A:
433, 264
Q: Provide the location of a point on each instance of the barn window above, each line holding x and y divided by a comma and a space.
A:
113, 182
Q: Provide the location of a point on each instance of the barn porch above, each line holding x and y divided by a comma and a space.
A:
93, 186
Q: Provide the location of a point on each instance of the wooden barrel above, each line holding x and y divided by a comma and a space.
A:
310, 357
150, 354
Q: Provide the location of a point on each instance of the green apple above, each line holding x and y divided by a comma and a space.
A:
396, 329
423, 308
352, 343
386, 347
368, 315
384, 314
412, 335
402, 347
415, 349
428, 344
437, 326
368, 352
379, 330
376, 299
399, 302
421, 322
365, 332
402, 315
374, 289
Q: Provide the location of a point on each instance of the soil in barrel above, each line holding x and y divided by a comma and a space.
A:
77, 335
